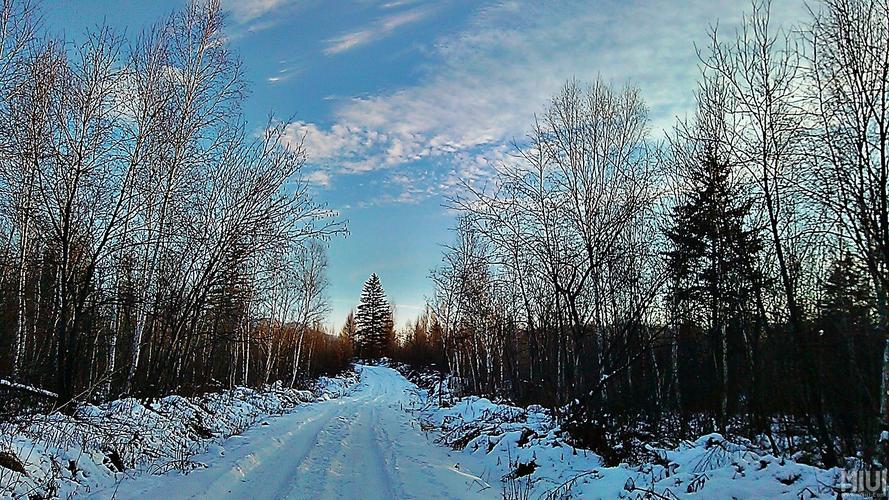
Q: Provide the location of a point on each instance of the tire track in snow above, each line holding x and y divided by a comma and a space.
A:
362, 445
313, 471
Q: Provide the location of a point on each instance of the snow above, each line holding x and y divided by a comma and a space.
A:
99, 446
377, 437
365, 444
526, 449
28, 388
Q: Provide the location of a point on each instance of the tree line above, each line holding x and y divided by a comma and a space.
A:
731, 276
150, 242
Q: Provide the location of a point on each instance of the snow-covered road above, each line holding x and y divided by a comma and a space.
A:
362, 445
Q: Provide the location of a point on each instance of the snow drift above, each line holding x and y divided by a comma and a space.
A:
532, 455
60, 455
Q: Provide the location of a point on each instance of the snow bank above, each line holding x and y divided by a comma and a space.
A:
59, 455
526, 447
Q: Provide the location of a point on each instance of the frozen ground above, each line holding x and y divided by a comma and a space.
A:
361, 445
96, 447
379, 438
527, 449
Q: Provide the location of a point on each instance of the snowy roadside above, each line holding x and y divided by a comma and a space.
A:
528, 451
48, 456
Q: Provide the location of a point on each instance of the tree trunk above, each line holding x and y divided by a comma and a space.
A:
883, 438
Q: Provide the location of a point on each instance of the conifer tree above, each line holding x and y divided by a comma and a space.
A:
847, 334
713, 264
847, 302
374, 320
350, 329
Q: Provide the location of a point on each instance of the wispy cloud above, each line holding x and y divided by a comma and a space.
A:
284, 74
397, 3
376, 31
493, 76
253, 16
339, 142
245, 11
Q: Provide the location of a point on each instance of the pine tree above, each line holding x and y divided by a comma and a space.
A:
847, 303
712, 265
847, 337
389, 333
374, 320
350, 329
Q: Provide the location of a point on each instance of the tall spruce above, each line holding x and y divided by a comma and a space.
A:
374, 320
714, 273
847, 334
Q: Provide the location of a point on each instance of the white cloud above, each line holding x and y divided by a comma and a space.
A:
245, 11
492, 77
397, 3
337, 142
284, 74
253, 16
378, 30
319, 178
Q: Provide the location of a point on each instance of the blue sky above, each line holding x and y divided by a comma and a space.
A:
400, 99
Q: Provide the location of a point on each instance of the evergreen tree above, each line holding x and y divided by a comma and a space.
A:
350, 329
389, 333
847, 303
847, 335
374, 320
712, 265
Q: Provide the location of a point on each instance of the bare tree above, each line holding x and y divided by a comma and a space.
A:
139, 217
562, 243
849, 68
18, 92
201, 87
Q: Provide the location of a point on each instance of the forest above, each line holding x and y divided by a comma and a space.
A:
728, 275
149, 242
